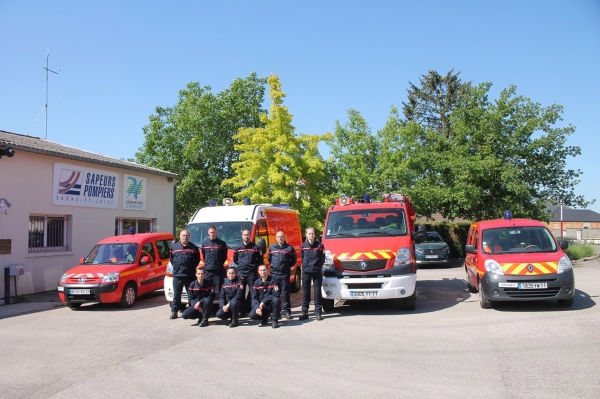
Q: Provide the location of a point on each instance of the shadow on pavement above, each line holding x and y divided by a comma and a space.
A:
582, 301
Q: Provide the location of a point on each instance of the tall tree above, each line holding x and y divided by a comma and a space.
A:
355, 153
194, 139
275, 165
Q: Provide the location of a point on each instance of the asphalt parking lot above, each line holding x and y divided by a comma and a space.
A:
447, 347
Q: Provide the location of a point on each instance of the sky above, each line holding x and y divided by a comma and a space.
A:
119, 60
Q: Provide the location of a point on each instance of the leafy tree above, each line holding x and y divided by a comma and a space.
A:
355, 154
431, 104
194, 139
275, 165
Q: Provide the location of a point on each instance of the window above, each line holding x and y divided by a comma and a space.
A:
148, 250
48, 233
122, 225
164, 248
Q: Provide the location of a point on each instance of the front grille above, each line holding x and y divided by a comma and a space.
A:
367, 265
431, 251
364, 286
543, 293
540, 280
88, 280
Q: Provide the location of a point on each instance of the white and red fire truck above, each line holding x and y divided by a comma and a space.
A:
370, 251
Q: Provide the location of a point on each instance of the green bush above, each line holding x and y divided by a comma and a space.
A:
578, 251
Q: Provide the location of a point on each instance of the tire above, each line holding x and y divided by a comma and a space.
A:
470, 287
483, 302
410, 301
73, 306
565, 303
297, 280
129, 296
328, 305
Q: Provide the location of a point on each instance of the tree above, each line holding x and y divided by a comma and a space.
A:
275, 165
431, 104
355, 154
194, 139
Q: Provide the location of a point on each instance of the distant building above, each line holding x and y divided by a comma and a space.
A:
56, 202
580, 224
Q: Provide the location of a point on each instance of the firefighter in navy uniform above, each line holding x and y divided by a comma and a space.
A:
230, 298
313, 257
282, 256
247, 256
201, 294
265, 298
184, 257
214, 254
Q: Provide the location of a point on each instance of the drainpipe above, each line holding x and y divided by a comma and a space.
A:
175, 208
561, 222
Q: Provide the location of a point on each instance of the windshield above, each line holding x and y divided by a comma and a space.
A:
518, 239
230, 232
366, 223
430, 238
110, 254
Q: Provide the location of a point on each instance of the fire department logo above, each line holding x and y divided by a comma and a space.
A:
363, 265
82, 280
530, 267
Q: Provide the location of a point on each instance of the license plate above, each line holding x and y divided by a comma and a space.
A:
508, 285
363, 294
79, 292
431, 256
532, 286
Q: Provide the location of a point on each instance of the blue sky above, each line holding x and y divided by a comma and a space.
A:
121, 59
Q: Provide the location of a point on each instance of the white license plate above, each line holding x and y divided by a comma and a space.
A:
532, 286
363, 294
431, 256
508, 285
80, 292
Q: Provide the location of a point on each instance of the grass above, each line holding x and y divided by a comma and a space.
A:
578, 251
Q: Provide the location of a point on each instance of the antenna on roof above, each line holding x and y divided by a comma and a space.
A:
48, 70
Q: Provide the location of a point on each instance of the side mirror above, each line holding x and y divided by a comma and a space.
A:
145, 260
262, 245
81, 260
470, 249
564, 244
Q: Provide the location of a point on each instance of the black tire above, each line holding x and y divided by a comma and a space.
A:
297, 280
565, 303
129, 296
470, 287
410, 302
328, 305
73, 306
483, 302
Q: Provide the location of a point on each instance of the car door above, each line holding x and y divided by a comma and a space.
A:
148, 271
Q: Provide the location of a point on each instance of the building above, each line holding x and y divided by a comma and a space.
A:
56, 202
578, 224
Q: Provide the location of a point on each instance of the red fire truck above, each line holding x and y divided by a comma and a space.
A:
370, 251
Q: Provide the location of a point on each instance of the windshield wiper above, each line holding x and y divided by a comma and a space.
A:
385, 233
342, 235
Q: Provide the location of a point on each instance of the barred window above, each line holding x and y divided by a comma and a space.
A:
123, 225
48, 233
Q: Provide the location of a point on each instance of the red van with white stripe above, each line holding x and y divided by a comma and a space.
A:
118, 270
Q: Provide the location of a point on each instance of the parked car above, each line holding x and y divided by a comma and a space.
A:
431, 248
118, 270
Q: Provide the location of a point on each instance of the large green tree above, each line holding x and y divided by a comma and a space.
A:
277, 166
194, 139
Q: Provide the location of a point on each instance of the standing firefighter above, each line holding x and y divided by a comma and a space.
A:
313, 258
184, 258
282, 256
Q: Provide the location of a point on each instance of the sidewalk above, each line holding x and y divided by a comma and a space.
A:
30, 304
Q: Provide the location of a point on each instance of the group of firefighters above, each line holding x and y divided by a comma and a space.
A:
268, 289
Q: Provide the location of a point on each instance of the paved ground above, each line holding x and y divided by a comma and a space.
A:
448, 347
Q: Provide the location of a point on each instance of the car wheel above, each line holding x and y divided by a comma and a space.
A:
483, 302
129, 296
297, 280
470, 287
328, 305
410, 301
73, 306
565, 303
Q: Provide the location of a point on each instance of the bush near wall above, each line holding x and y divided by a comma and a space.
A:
454, 233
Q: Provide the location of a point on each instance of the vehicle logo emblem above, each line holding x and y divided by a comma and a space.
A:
363, 265
82, 280
530, 267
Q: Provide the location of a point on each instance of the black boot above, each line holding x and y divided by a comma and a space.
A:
318, 316
173, 315
203, 323
234, 323
303, 316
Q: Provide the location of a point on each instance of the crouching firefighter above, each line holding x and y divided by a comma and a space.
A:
201, 294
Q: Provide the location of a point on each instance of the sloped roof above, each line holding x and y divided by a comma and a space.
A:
41, 146
573, 215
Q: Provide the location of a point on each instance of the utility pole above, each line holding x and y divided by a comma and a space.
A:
48, 70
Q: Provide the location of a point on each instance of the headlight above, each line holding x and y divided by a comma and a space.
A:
402, 257
63, 278
111, 278
564, 264
169, 271
419, 250
328, 260
491, 266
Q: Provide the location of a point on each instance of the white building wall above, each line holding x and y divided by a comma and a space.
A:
26, 182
